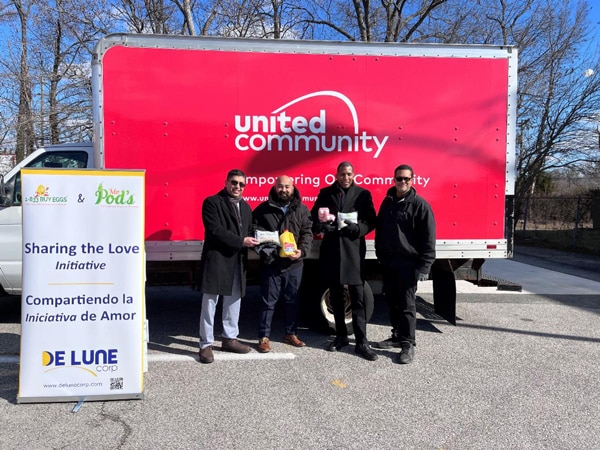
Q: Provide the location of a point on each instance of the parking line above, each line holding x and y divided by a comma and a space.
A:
165, 357
9, 359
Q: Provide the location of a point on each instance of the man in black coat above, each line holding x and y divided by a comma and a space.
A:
281, 276
342, 253
405, 246
227, 220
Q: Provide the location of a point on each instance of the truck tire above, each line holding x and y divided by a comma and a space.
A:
327, 311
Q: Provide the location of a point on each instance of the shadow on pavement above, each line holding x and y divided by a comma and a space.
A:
530, 333
10, 309
173, 315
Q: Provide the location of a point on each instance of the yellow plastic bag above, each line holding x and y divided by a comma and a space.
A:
288, 244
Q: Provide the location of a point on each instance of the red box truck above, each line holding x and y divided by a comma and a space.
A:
188, 109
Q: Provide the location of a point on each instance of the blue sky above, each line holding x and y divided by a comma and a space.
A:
595, 17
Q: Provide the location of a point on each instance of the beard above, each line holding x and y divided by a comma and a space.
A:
283, 198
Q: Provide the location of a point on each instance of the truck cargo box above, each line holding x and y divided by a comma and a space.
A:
189, 109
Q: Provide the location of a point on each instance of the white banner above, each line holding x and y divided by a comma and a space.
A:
83, 295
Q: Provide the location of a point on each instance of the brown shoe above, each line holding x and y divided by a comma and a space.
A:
206, 355
264, 345
292, 339
234, 346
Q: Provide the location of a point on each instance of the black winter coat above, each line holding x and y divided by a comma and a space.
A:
342, 256
223, 243
405, 235
269, 216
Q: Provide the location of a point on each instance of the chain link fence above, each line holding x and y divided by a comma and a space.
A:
562, 221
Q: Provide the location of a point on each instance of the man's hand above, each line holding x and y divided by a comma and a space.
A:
297, 255
422, 276
351, 226
351, 229
250, 242
327, 227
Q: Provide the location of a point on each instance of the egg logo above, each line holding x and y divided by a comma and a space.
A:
41, 191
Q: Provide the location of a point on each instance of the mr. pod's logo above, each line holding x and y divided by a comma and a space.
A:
113, 196
294, 133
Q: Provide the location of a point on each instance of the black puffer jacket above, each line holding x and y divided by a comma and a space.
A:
269, 216
405, 234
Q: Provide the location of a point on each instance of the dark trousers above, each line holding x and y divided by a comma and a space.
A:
359, 314
276, 285
400, 290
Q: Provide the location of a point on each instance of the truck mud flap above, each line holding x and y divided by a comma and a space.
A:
444, 290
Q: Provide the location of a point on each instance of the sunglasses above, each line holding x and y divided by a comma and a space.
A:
407, 179
236, 182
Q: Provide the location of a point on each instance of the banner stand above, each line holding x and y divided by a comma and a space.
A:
84, 327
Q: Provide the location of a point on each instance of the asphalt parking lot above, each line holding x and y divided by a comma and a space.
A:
520, 370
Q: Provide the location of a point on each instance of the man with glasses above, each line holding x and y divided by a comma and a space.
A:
227, 220
405, 246
349, 217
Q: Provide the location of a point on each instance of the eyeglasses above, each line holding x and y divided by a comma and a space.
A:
406, 179
236, 182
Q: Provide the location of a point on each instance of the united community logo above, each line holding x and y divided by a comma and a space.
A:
283, 131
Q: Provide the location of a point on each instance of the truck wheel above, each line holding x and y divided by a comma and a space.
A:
327, 310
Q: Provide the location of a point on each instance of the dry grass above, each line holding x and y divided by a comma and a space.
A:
584, 241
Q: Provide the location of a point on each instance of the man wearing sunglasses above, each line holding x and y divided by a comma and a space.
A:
405, 246
227, 220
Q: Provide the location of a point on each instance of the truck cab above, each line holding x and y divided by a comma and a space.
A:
75, 156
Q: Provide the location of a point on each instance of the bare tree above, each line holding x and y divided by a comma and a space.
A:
147, 16
241, 18
363, 20
281, 19
404, 26
494, 22
556, 102
202, 15
557, 105
63, 64
25, 142
188, 26
56, 75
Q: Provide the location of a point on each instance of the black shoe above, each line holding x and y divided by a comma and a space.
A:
407, 354
337, 344
366, 352
391, 342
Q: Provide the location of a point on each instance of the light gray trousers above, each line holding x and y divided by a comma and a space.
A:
231, 313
